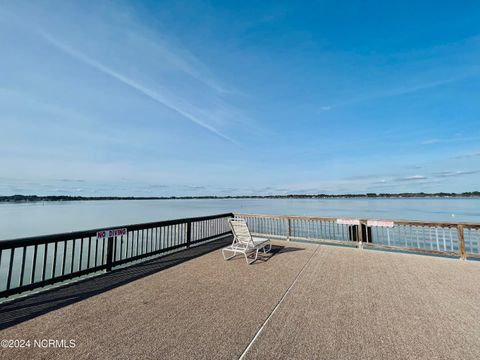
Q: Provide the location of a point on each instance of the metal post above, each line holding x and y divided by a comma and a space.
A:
109, 253
289, 229
461, 243
360, 236
189, 234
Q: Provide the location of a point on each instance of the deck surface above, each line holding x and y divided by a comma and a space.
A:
321, 302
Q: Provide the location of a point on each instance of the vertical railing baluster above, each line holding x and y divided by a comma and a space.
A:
121, 247
109, 253
451, 239
89, 252
81, 255
477, 232
64, 260
22, 272
96, 252
405, 234
189, 234
469, 239
10, 268
444, 241
54, 265
152, 241
45, 255
132, 243
115, 246
431, 242
416, 234
424, 238
162, 238
73, 254
137, 251
461, 243
103, 258
288, 228
34, 263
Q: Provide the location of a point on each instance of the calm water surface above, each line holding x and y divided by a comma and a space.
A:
29, 219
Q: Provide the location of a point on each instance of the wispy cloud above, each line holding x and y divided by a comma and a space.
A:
71, 180
193, 187
431, 141
453, 139
161, 98
412, 178
444, 174
474, 71
467, 156
184, 61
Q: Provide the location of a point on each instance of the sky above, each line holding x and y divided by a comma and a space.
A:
185, 98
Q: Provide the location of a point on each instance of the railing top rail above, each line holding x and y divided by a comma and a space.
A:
398, 222
44, 239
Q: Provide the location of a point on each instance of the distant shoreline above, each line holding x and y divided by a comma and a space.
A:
37, 198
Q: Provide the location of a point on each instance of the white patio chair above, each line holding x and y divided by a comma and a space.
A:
244, 243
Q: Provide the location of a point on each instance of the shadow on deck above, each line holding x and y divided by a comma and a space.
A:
28, 307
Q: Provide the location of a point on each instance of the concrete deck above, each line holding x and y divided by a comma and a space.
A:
304, 302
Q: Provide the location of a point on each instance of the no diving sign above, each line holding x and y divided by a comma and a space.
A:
111, 233
381, 223
348, 221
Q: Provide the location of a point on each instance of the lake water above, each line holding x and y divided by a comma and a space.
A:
29, 219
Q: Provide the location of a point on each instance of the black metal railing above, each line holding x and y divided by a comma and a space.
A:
34, 262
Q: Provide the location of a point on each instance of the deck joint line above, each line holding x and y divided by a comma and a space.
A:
277, 306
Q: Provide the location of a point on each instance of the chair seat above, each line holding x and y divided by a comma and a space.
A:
260, 241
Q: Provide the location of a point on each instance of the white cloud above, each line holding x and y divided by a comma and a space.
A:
412, 178
456, 173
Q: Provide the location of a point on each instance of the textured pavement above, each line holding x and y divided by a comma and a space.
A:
327, 302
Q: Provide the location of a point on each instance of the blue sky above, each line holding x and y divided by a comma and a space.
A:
225, 98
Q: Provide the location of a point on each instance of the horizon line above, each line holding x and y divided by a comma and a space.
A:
166, 197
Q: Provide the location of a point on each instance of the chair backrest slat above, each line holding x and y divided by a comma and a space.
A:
241, 232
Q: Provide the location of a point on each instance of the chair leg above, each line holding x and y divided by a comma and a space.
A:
230, 257
254, 259
269, 248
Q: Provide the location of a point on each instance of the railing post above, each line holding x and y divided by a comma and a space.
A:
461, 243
289, 228
109, 253
189, 234
360, 235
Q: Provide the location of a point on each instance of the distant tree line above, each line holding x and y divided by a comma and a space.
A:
36, 198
